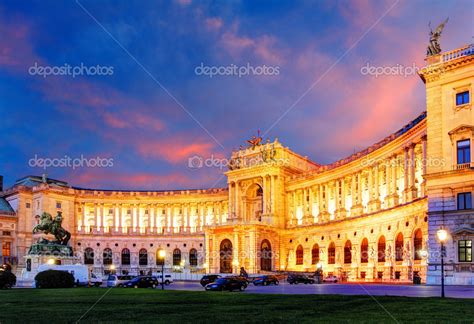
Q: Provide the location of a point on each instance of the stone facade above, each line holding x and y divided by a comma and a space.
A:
372, 216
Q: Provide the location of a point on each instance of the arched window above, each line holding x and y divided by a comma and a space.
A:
364, 251
332, 253
143, 257
399, 247
348, 252
176, 257
299, 255
125, 256
107, 256
88, 256
159, 261
381, 246
193, 258
315, 254
418, 244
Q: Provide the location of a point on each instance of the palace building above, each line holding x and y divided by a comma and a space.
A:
372, 216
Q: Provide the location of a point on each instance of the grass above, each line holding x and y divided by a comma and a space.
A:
147, 305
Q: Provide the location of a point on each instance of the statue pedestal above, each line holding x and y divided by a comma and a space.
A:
41, 253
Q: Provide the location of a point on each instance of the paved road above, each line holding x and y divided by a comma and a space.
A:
345, 289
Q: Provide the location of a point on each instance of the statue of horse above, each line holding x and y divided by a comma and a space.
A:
49, 226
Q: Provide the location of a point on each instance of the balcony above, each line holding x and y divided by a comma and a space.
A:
463, 166
460, 52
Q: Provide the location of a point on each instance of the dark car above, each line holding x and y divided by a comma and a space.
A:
141, 282
244, 280
266, 280
294, 279
7, 279
207, 279
229, 284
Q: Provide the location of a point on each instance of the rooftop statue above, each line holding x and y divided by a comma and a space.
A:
434, 47
48, 225
255, 140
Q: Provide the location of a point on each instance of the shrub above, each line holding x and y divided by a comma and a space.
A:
54, 279
7, 279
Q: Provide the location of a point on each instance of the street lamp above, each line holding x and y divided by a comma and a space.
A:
112, 269
162, 255
442, 236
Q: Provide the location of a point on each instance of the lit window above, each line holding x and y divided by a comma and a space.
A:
464, 151
465, 250
464, 200
6, 249
299, 255
462, 98
28, 205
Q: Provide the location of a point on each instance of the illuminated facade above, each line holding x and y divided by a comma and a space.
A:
371, 216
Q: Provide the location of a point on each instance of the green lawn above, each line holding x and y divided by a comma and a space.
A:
127, 305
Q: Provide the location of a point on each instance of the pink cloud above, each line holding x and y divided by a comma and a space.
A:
263, 47
213, 23
175, 150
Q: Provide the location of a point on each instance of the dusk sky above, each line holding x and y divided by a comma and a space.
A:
153, 110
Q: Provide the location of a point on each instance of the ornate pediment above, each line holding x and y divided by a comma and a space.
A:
460, 130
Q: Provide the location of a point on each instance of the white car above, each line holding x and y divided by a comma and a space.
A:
115, 280
168, 279
330, 278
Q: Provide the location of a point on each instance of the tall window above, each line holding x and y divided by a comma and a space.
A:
464, 200
159, 261
125, 257
107, 256
364, 251
315, 254
465, 251
143, 257
418, 244
348, 253
462, 98
299, 255
464, 151
193, 258
176, 257
6, 249
381, 246
331, 253
399, 247
88, 256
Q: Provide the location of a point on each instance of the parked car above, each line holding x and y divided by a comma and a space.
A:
82, 276
330, 278
141, 282
208, 279
266, 280
115, 280
294, 279
7, 278
168, 279
228, 283
244, 280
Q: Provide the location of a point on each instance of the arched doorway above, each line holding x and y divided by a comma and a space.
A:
348, 252
225, 256
266, 256
418, 244
399, 247
254, 202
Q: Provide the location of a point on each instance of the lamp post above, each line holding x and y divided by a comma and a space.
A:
162, 255
442, 236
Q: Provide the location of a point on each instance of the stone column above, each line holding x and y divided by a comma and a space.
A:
237, 205
394, 181
311, 202
423, 164
265, 195
356, 208
272, 194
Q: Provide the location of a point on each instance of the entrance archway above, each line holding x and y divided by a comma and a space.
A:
254, 202
266, 256
225, 254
